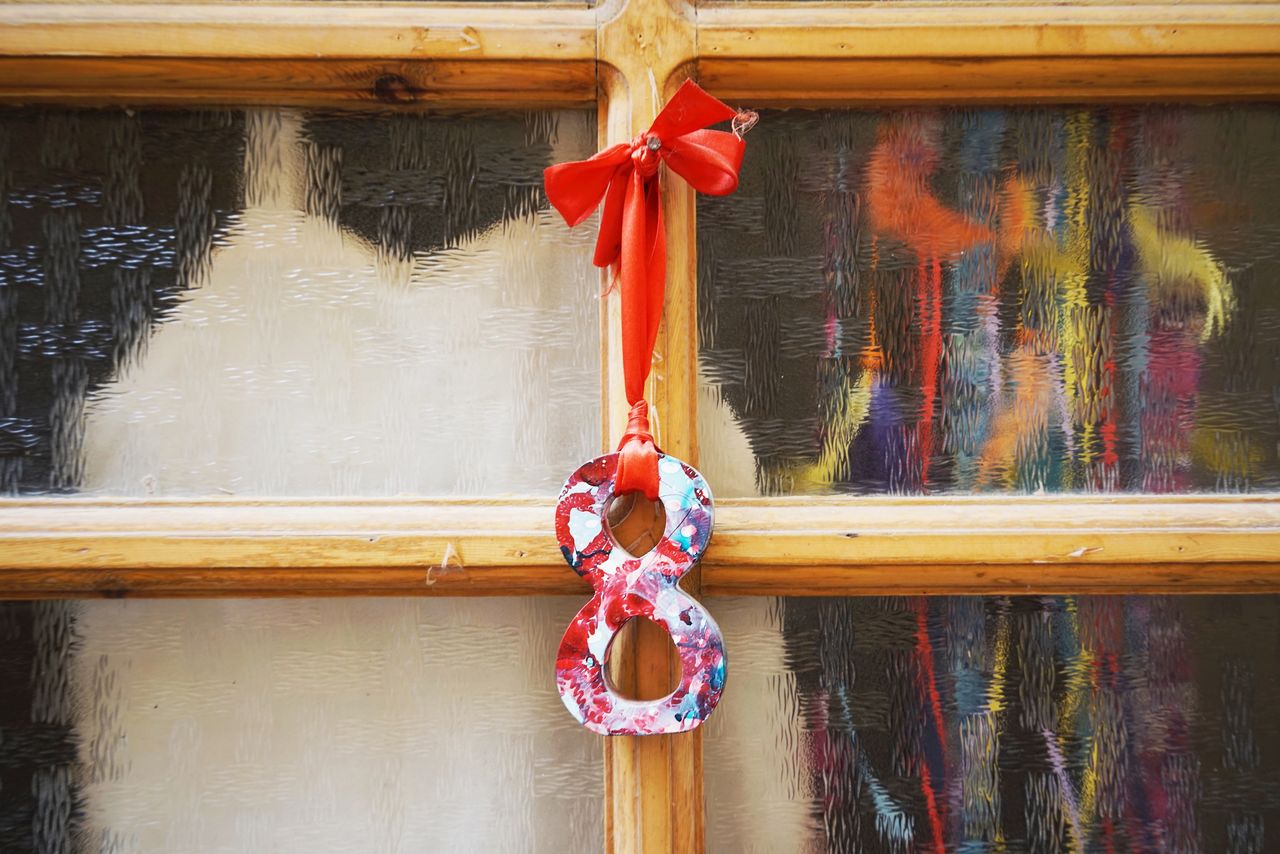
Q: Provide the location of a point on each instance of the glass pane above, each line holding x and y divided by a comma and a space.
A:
1024, 724
337, 725
1022, 300
277, 302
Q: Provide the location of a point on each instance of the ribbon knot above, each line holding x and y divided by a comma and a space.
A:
632, 239
645, 154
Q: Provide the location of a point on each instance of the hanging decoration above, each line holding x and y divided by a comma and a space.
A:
633, 242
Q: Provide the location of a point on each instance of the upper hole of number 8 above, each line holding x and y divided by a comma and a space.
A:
635, 523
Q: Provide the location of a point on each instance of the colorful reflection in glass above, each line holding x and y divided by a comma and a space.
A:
1015, 300
1099, 724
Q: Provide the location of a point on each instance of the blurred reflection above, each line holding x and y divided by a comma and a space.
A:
315, 726
1004, 724
952, 301
273, 302
276, 302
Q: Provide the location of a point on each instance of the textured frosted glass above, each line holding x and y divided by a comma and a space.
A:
277, 302
1018, 300
315, 726
1098, 724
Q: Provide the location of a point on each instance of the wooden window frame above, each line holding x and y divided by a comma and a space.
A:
620, 57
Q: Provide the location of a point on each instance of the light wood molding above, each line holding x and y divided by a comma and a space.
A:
927, 579
996, 546
347, 54
330, 30
542, 55
653, 784
132, 547
879, 82
893, 53
675, 371
985, 530
344, 83
370, 535
984, 29
121, 534
614, 114
231, 582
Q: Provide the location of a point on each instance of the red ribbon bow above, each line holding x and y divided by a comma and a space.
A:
632, 237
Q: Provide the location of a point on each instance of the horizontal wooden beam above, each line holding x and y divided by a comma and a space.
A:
858, 81
301, 54
93, 547
253, 582
832, 31
130, 547
79, 533
346, 83
1004, 546
978, 530
1059, 579
901, 53
331, 30
812, 54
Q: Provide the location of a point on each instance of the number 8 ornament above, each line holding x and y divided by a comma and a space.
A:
632, 240
646, 586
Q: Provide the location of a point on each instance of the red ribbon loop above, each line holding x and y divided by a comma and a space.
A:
631, 235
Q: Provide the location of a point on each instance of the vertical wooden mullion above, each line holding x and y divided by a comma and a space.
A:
675, 392
614, 117
653, 784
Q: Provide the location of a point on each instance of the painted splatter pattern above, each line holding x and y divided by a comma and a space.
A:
646, 586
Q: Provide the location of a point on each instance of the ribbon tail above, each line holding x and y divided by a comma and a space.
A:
643, 284
633, 280
609, 240
656, 266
